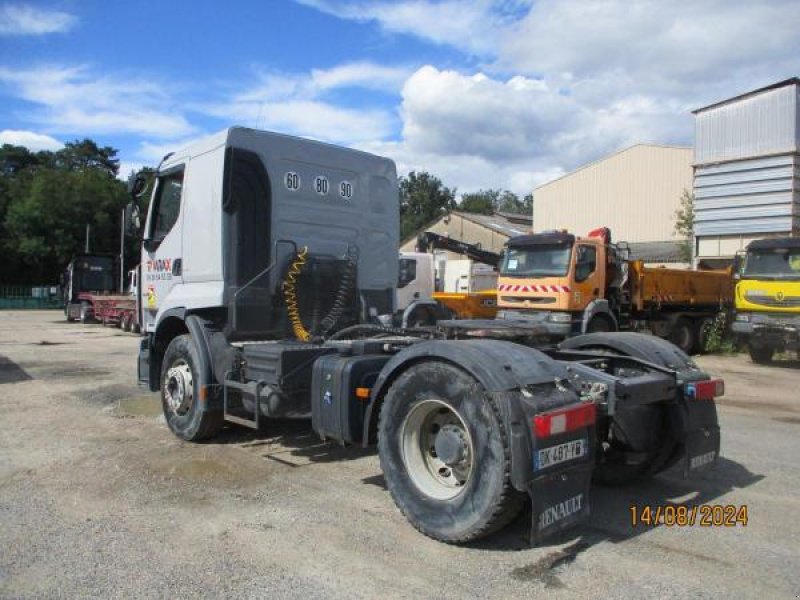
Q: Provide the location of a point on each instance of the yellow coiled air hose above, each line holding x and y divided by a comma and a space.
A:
290, 295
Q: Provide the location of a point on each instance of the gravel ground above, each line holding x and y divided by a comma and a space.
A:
98, 499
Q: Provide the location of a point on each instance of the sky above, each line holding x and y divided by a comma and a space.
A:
484, 94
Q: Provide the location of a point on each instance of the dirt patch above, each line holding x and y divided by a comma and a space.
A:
792, 420
544, 569
144, 405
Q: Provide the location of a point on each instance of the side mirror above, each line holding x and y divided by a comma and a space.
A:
137, 185
133, 221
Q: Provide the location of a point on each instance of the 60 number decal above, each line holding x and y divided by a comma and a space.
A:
346, 190
292, 180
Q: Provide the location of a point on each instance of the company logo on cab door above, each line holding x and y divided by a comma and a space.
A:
159, 269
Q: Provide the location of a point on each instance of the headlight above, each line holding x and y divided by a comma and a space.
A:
560, 317
743, 317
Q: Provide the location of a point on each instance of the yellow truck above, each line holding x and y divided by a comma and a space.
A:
573, 285
768, 297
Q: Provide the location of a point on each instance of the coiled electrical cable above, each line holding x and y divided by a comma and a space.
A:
290, 295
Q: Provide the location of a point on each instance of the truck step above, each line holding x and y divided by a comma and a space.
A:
240, 414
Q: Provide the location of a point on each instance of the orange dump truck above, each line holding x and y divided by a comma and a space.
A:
574, 285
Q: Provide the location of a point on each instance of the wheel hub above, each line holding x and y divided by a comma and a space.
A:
437, 449
179, 388
451, 445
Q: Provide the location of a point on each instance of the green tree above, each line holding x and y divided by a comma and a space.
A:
46, 201
684, 224
482, 202
423, 198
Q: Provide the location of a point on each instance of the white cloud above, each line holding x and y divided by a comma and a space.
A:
22, 19
297, 103
466, 25
74, 100
29, 139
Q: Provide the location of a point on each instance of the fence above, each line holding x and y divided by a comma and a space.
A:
30, 296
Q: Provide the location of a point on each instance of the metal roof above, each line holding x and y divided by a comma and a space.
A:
766, 88
657, 252
509, 225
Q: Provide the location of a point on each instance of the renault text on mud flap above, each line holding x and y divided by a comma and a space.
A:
702, 460
560, 511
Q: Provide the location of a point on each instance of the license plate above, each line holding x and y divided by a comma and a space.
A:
547, 457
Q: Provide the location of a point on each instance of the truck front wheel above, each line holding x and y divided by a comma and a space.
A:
180, 393
683, 335
761, 354
445, 454
86, 315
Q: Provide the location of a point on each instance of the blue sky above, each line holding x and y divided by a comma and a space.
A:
503, 93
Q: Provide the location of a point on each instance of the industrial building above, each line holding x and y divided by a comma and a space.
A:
491, 232
747, 170
635, 192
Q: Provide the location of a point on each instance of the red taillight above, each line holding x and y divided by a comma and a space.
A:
564, 420
706, 390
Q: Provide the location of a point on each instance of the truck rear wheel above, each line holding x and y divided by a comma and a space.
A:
445, 454
683, 335
180, 398
761, 354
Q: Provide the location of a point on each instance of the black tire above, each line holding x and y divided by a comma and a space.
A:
599, 324
683, 335
86, 315
125, 321
702, 329
136, 328
186, 421
485, 501
761, 354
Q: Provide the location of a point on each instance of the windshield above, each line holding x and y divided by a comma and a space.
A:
782, 263
537, 261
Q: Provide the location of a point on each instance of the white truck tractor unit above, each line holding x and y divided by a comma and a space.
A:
269, 271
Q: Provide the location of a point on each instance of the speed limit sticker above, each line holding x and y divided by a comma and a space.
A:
292, 181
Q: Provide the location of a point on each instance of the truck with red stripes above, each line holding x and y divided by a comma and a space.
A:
269, 267
572, 285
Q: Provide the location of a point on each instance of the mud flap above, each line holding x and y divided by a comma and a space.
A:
702, 440
560, 500
702, 450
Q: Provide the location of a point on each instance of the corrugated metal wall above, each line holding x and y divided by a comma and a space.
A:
634, 192
758, 125
747, 196
747, 170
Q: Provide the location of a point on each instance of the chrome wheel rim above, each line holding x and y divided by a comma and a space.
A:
179, 388
437, 449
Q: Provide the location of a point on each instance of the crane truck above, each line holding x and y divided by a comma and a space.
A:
768, 297
574, 285
267, 264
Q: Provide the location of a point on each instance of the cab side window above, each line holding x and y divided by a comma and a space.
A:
585, 262
167, 204
408, 272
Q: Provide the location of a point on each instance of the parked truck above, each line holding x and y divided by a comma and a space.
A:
89, 283
574, 285
87, 277
768, 297
269, 264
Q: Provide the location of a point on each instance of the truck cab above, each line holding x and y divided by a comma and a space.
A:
555, 277
87, 275
768, 297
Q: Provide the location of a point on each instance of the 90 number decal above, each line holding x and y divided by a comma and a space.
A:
292, 180
346, 190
